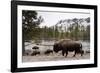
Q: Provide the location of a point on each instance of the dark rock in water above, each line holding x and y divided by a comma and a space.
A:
35, 47
27, 52
48, 52
35, 53
37, 44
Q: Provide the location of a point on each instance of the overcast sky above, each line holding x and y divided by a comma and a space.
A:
51, 18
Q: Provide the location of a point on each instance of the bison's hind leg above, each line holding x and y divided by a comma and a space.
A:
66, 53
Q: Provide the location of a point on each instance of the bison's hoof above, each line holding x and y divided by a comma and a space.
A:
73, 55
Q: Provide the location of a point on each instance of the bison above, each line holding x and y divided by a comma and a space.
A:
68, 45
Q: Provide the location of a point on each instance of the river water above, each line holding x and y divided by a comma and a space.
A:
44, 45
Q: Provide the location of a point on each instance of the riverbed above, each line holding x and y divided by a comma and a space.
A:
53, 57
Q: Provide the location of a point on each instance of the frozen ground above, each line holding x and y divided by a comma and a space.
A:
54, 57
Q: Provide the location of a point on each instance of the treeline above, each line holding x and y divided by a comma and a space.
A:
76, 29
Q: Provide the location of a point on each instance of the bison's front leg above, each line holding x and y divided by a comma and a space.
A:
82, 52
74, 54
63, 52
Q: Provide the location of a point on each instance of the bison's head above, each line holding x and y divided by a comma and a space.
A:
56, 47
81, 51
